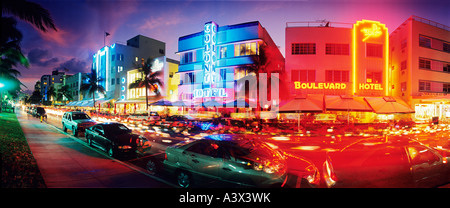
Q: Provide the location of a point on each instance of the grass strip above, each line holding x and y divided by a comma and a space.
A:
19, 168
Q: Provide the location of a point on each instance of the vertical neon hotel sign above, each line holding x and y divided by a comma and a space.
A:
210, 75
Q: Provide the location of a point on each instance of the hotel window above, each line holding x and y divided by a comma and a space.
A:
424, 41
113, 57
245, 49
374, 77
119, 68
446, 87
336, 76
446, 47
424, 63
403, 44
337, 49
424, 86
403, 65
188, 57
374, 50
222, 52
303, 48
403, 86
119, 57
189, 78
446, 68
303, 75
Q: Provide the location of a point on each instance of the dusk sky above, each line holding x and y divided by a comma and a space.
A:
81, 24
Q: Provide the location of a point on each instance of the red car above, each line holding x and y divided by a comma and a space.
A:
386, 161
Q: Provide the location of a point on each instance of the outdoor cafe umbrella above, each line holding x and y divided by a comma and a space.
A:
162, 102
388, 105
303, 104
346, 103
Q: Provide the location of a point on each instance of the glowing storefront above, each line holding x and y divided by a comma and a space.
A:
348, 60
420, 54
211, 61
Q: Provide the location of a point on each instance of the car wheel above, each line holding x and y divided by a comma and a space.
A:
74, 131
184, 179
151, 167
64, 128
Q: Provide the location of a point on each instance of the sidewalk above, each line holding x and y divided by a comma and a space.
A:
65, 162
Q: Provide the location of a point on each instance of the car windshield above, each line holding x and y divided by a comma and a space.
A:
116, 129
80, 116
250, 149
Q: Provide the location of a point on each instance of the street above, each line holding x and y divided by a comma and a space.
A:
66, 161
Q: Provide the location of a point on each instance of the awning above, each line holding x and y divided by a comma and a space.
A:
388, 105
309, 103
345, 103
181, 103
162, 102
444, 98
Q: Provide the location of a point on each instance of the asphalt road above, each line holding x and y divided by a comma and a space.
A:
67, 161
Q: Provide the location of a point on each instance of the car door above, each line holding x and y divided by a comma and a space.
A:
426, 166
101, 137
203, 159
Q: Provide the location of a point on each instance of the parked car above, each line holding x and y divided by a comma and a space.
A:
387, 161
114, 138
76, 121
232, 159
40, 111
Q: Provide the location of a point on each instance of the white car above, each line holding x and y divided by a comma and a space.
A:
76, 121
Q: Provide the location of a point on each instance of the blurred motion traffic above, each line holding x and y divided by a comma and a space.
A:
220, 152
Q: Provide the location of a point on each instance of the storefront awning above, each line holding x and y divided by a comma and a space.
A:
388, 105
345, 103
310, 103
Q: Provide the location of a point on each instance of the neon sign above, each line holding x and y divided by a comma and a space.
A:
210, 75
320, 86
377, 33
373, 31
363, 86
209, 55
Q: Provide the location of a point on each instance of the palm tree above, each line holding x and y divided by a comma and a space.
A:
150, 80
10, 37
51, 92
64, 92
92, 86
30, 12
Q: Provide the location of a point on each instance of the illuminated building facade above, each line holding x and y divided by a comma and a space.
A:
211, 61
420, 54
112, 63
351, 59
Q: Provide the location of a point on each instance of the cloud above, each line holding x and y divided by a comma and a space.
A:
161, 21
61, 37
74, 66
41, 57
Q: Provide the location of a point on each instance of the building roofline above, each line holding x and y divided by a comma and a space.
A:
319, 23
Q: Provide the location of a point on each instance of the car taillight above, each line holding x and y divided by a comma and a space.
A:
165, 156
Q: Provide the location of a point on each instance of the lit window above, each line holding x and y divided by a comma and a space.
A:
245, 49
